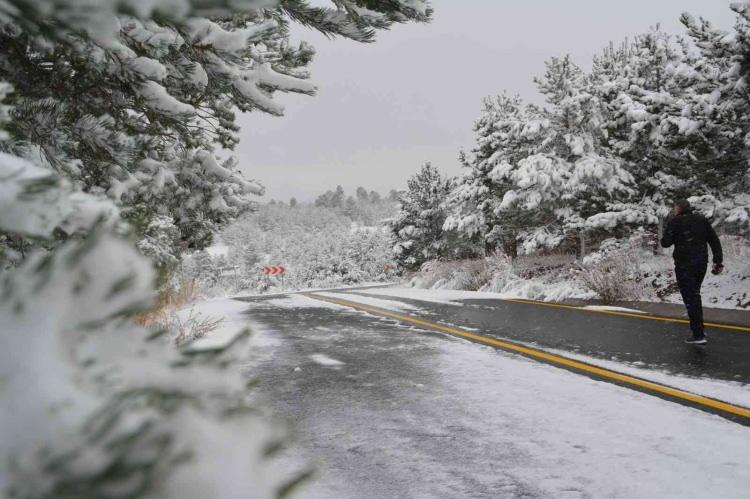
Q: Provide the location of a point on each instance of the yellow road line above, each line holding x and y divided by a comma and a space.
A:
624, 314
648, 386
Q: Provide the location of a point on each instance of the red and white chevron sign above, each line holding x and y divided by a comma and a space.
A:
273, 269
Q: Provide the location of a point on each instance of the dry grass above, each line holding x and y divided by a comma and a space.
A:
192, 327
170, 299
163, 315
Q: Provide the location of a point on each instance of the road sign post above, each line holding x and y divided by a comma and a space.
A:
270, 270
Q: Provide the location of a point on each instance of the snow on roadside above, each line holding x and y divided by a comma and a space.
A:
728, 391
233, 323
730, 289
445, 296
586, 438
396, 306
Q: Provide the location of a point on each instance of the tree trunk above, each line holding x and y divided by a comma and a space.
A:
582, 245
659, 233
510, 246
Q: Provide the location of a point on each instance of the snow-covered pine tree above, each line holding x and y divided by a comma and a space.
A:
506, 132
130, 98
642, 87
719, 103
573, 174
418, 226
537, 176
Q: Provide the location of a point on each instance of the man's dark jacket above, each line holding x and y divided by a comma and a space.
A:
690, 232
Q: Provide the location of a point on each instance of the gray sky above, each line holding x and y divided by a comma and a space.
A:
413, 95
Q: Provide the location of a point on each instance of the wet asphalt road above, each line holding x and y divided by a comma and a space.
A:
376, 408
393, 390
652, 344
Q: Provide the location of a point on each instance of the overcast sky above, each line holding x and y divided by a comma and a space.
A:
413, 95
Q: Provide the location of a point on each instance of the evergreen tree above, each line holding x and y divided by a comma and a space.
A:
572, 175
350, 207
719, 101
338, 197
505, 134
418, 226
132, 102
644, 124
536, 175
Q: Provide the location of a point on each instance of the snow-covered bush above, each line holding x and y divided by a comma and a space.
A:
536, 277
614, 271
467, 274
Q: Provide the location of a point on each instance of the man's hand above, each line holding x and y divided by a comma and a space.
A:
718, 268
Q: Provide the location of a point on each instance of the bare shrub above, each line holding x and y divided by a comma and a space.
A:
194, 326
467, 274
543, 266
436, 272
614, 272
735, 248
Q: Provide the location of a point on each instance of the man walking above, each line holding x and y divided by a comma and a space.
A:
690, 233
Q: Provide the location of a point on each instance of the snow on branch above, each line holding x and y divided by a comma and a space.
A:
35, 201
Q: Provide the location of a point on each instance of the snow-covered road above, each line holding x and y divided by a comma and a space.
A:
384, 410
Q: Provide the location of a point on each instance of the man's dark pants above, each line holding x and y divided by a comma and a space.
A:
689, 279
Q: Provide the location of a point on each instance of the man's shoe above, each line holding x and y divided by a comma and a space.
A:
697, 341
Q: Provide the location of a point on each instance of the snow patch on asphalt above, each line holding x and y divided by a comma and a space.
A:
392, 305
607, 308
291, 302
445, 296
325, 360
